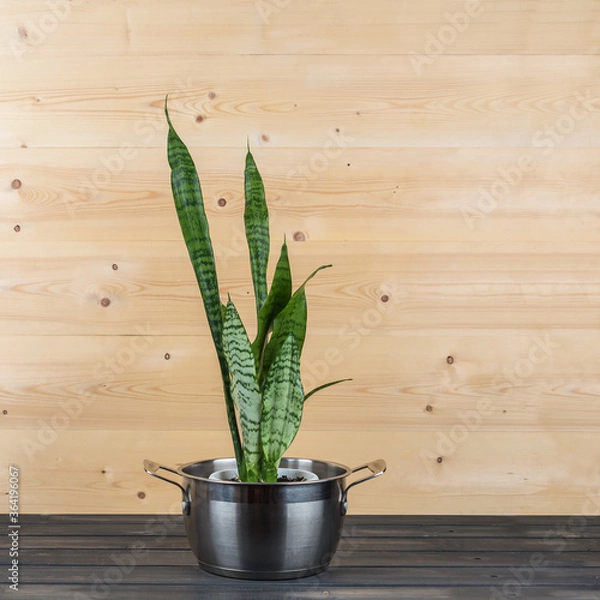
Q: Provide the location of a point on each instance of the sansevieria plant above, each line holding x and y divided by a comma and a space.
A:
264, 396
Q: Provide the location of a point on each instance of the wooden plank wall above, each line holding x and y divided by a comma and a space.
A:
443, 155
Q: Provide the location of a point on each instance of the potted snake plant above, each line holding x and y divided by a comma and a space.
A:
239, 511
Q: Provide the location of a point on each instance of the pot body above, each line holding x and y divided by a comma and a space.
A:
264, 530
261, 530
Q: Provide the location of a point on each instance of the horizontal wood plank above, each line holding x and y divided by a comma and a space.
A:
524, 380
381, 550
396, 528
274, 592
346, 558
425, 195
363, 525
295, 101
557, 475
386, 577
375, 287
286, 27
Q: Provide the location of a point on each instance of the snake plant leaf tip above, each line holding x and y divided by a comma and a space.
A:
263, 391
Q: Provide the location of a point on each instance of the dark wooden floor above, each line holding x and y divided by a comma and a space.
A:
395, 557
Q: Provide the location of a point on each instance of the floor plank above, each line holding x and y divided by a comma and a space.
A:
278, 591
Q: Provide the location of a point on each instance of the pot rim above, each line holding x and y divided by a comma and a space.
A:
345, 472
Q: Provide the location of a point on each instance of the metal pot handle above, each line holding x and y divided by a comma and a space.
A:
152, 468
377, 468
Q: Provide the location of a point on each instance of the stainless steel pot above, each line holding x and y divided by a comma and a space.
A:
264, 530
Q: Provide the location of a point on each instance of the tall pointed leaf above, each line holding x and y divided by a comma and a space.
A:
256, 220
279, 296
244, 387
283, 399
189, 203
292, 319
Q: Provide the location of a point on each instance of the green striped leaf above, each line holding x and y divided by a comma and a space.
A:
189, 204
244, 387
292, 319
279, 296
283, 399
256, 220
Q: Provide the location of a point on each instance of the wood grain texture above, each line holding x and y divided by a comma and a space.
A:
72, 470
379, 556
83, 288
408, 194
374, 100
144, 27
524, 381
443, 156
